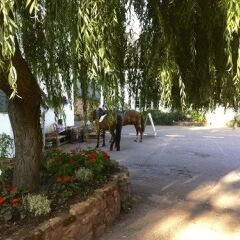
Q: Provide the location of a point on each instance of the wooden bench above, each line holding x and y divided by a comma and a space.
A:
53, 136
57, 139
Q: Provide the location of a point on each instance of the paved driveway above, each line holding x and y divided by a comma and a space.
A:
186, 182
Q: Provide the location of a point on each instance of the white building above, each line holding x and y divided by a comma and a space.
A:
5, 125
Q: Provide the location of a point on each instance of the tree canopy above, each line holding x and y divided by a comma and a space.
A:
190, 50
187, 52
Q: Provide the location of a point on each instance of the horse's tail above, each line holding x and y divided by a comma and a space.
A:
142, 124
119, 129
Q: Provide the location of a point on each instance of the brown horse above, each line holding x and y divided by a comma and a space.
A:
112, 122
133, 117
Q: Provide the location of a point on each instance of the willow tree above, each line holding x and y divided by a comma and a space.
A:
187, 54
49, 45
190, 50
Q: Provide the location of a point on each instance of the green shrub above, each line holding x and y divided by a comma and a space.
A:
84, 175
63, 176
6, 150
235, 122
38, 205
171, 118
6, 146
60, 164
197, 116
167, 118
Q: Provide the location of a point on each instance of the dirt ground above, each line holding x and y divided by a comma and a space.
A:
185, 185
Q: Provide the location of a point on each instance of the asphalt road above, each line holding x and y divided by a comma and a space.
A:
185, 185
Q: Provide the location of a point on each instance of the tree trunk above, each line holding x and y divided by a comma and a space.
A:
25, 121
24, 113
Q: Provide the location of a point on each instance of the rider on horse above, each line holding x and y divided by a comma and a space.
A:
101, 110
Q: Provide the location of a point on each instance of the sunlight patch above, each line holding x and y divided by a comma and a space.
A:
196, 232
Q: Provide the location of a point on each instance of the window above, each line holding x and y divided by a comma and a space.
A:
3, 102
137, 103
149, 105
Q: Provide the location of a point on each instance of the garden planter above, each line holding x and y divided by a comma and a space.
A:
85, 220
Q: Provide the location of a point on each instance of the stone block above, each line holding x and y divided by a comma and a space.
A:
99, 230
89, 236
69, 220
57, 221
77, 230
79, 208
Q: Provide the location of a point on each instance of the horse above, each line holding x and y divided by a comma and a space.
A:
133, 117
112, 122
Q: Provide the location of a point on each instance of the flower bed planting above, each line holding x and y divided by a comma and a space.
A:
66, 178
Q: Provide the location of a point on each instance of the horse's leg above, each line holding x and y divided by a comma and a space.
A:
136, 127
142, 128
118, 132
103, 135
113, 139
98, 137
141, 135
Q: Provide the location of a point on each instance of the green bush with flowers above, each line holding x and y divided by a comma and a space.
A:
63, 177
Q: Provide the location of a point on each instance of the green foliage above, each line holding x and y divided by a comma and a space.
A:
83, 175
37, 205
190, 48
167, 118
6, 150
10, 202
6, 146
172, 118
8, 30
60, 164
69, 173
197, 116
63, 176
187, 51
235, 122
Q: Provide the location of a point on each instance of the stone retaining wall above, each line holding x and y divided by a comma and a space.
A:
85, 220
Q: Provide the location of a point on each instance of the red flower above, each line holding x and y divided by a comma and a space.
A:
92, 157
15, 203
59, 180
13, 191
67, 179
2, 200
9, 187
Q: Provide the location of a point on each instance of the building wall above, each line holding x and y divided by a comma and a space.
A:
50, 117
5, 125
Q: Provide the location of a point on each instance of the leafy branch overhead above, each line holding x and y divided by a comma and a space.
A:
193, 50
187, 52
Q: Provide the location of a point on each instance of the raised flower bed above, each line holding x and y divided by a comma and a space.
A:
81, 193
